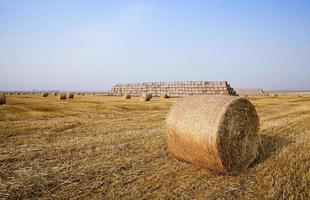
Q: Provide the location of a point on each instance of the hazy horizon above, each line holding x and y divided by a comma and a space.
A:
91, 45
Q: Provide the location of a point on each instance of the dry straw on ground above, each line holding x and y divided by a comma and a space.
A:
145, 96
126, 96
71, 95
44, 94
63, 96
218, 132
2, 99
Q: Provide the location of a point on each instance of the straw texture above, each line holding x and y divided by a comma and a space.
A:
218, 132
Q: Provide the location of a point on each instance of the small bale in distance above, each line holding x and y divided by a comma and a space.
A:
2, 99
145, 96
126, 96
164, 96
214, 131
44, 94
62, 96
55, 93
71, 95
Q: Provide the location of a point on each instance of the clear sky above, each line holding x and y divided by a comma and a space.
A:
92, 44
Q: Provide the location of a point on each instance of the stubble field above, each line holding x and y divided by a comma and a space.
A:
96, 147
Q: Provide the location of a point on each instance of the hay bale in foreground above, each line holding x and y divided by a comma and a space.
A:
71, 95
126, 96
2, 99
44, 94
218, 132
145, 96
62, 96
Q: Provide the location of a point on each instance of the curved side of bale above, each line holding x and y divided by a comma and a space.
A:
2, 99
62, 96
218, 132
145, 96
44, 94
71, 95
126, 96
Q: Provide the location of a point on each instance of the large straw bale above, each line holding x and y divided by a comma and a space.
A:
214, 131
71, 95
62, 96
145, 96
164, 96
126, 96
2, 99
44, 94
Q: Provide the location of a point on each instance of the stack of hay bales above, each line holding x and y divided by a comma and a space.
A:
218, 132
71, 95
62, 96
126, 96
2, 99
44, 94
174, 89
251, 92
145, 96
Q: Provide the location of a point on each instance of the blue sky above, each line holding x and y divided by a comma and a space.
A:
90, 45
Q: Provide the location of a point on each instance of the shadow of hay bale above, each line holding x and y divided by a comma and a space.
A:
270, 146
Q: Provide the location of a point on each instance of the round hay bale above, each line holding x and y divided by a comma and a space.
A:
2, 99
145, 96
44, 94
55, 93
214, 131
164, 96
62, 96
71, 95
126, 96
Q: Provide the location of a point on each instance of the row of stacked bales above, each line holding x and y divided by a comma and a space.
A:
251, 92
173, 89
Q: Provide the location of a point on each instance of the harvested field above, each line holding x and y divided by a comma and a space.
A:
100, 147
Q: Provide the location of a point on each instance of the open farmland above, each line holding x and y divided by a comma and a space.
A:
108, 147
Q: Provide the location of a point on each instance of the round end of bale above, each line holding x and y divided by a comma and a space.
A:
71, 95
62, 96
2, 99
126, 96
218, 132
44, 94
145, 96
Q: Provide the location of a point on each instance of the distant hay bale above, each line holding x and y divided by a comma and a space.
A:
18, 93
126, 96
218, 132
71, 95
44, 94
2, 99
83, 94
145, 96
55, 93
62, 96
164, 96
